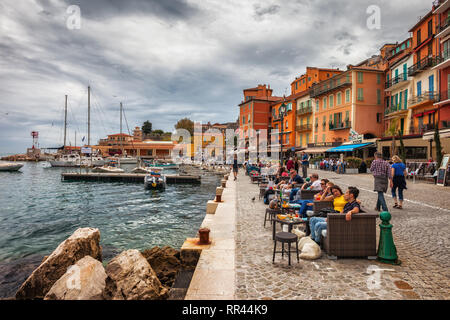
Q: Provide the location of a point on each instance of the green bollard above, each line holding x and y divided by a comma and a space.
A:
387, 253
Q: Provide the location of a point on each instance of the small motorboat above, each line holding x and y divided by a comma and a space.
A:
66, 160
107, 169
148, 170
10, 166
154, 181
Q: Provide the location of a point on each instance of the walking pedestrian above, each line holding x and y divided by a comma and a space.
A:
398, 173
235, 167
382, 174
296, 163
305, 164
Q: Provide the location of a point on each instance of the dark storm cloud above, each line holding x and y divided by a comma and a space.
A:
101, 9
169, 59
261, 11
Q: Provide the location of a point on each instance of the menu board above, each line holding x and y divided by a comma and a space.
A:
442, 171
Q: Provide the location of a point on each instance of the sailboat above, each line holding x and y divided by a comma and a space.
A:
74, 159
124, 159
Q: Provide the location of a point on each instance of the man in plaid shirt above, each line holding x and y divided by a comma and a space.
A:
382, 174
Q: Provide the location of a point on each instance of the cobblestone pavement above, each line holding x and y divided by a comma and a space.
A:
421, 235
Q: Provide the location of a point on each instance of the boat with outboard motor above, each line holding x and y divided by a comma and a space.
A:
155, 180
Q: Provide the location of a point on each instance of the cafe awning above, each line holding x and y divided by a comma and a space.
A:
316, 150
350, 147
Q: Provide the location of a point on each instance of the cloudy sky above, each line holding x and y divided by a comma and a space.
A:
168, 59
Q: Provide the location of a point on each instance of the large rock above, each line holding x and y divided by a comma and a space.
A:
165, 262
85, 280
130, 277
83, 242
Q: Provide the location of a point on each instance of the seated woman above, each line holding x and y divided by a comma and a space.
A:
352, 206
307, 204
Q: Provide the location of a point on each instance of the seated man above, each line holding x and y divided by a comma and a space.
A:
295, 179
318, 224
314, 184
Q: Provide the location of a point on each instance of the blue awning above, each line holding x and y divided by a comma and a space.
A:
349, 147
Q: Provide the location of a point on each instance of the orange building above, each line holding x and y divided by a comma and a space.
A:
351, 100
133, 146
255, 111
442, 16
425, 78
398, 88
303, 104
313, 75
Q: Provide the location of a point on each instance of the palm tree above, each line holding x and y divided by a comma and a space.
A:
390, 132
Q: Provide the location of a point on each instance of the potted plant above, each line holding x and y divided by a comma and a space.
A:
353, 164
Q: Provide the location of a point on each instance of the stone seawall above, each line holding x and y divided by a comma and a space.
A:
214, 275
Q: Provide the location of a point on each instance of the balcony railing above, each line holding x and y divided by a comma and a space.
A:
400, 78
422, 128
425, 63
304, 110
304, 127
328, 85
441, 27
432, 96
444, 56
394, 108
444, 95
340, 125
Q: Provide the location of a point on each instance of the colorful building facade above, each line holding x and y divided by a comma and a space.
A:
351, 100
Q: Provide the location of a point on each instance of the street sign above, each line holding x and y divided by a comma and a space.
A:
86, 150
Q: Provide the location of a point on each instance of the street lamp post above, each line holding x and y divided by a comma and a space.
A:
282, 112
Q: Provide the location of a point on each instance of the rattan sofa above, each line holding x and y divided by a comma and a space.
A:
356, 238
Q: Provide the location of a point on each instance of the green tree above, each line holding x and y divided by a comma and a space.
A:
391, 131
437, 142
186, 124
147, 127
158, 132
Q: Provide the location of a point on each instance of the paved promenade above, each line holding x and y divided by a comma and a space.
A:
421, 234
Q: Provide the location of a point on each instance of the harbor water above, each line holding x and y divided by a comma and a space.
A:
38, 211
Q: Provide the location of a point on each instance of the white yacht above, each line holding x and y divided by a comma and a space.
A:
10, 166
66, 160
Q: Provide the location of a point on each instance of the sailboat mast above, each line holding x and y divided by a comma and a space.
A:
121, 142
65, 122
89, 115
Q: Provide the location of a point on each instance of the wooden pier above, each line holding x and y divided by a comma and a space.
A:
126, 177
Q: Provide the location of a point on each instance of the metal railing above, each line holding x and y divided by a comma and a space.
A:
426, 96
444, 56
328, 85
444, 25
304, 110
303, 127
395, 80
422, 129
425, 63
340, 125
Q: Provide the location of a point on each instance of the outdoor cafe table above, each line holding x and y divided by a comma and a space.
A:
290, 222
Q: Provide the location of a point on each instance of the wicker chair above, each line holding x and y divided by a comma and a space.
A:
319, 205
307, 194
355, 238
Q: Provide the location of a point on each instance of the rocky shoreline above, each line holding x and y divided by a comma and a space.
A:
74, 271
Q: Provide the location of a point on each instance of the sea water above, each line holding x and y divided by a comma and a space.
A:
38, 211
